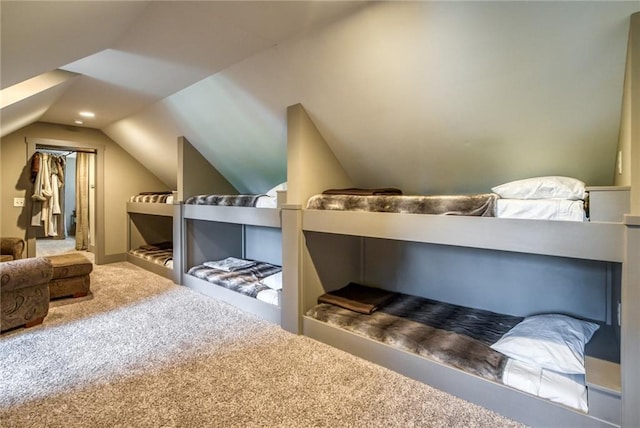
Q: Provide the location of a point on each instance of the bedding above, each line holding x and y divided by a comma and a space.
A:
484, 205
153, 197
226, 200
161, 253
364, 192
263, 200
467, 205
567, 389
244, 280
550, 187
457, 336
552, 341
541, 209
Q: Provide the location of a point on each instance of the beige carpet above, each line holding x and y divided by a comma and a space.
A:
142, 352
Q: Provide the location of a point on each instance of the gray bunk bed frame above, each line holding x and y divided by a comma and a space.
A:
314, 240
158, 215
215, 232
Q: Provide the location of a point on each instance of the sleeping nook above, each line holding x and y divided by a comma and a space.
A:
463, 292
150, 231
231, 244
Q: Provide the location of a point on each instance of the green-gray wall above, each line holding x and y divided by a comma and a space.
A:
123, 177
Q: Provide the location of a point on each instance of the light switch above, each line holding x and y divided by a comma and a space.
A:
18, 202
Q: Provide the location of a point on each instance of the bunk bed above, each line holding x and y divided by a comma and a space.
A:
507, 266
242, 228
516, 266
150, 232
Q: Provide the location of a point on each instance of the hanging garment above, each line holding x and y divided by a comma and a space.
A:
35, 166
54, 211
41, 191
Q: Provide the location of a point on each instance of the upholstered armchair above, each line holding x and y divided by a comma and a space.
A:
11, 249
24, 292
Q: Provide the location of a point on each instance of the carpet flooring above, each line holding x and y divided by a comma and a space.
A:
140, 351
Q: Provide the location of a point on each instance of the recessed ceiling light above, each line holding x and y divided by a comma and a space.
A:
78, 122
87, 114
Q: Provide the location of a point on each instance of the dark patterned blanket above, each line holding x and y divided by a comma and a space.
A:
224, 200
468, 205
245, 281
162, 198
161, 253
454, 335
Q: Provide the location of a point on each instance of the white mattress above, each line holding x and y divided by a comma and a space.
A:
269, 296
541, 209
567, 389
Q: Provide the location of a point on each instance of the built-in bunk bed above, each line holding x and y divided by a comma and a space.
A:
393, 287
231, 245
151, 231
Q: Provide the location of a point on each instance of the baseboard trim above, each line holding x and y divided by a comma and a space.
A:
115, 258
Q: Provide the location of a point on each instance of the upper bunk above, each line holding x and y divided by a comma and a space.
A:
207, 195
266, 215
313, 169
584, 240
152, 203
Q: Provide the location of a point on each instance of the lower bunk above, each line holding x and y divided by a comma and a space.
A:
156, 258
451, 348
251, 285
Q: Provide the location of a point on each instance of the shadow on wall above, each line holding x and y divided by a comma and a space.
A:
24, 184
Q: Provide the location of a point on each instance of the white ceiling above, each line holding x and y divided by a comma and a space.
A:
426, 96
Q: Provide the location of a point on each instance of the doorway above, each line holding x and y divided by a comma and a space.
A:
61, 221
79, 223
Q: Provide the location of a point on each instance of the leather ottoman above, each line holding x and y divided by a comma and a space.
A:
70, 275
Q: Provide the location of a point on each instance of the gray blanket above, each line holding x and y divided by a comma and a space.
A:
468, 205
244, 281
161, 253
224, 200
450, 334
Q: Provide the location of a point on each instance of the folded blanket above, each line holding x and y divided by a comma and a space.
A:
358, 298
363, 192
230, 264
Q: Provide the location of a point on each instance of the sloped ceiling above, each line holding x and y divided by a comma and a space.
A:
432, 97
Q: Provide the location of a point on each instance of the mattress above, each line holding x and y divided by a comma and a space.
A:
249, 280
541, 209
454, 335
161, 253
483, 205
162, 198
258, 201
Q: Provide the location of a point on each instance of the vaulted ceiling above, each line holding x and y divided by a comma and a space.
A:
431, 97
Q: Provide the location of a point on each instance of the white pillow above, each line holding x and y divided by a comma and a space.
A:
273, 190
551, 187
554, 342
